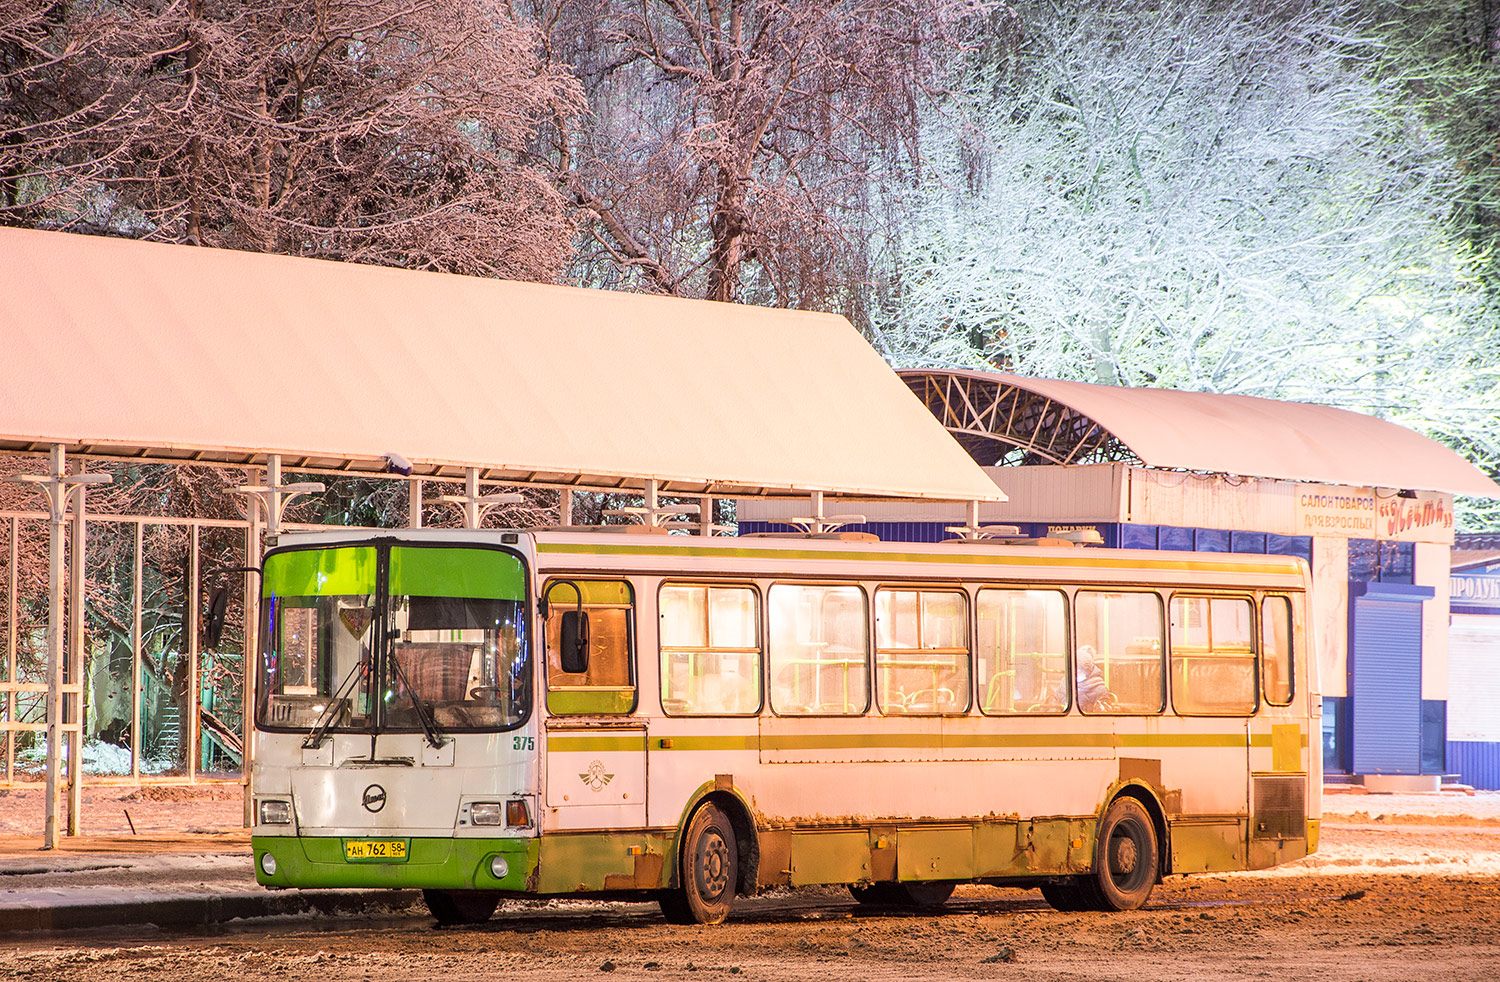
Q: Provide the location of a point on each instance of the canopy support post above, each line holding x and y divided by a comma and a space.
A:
476, 506
60, 488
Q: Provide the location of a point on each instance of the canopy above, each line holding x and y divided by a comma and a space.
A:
132, 349
999, 417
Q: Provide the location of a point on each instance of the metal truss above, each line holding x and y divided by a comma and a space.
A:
1000, 424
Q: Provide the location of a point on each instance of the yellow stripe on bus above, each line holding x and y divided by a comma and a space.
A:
913, 741
998, 559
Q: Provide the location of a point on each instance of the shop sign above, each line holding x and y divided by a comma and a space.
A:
1426, 519
1474, 589
1345, 512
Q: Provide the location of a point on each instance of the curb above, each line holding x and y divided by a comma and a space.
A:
202, 910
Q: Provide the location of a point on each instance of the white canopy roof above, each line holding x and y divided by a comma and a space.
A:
124, 348
1245, 435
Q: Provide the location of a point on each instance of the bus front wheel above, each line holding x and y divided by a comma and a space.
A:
709, 863
460, 906
1126, 858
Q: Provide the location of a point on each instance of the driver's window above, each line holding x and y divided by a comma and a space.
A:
590, 629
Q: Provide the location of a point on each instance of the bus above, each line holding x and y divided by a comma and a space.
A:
497, 714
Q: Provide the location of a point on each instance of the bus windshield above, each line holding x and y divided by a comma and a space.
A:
445, 639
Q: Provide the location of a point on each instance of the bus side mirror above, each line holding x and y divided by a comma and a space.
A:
575, 641
213, 622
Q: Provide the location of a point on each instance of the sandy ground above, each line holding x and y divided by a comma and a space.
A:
115, 810
1404, 887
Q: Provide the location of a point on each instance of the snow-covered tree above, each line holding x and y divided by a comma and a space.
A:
1210, 196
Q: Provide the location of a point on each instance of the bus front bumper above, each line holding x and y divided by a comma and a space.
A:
507, 864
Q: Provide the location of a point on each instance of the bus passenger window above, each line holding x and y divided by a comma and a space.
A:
1022, 651
1118, 663
710, 650
607, 683
819, 650
1276, 649
1213, 656
922, 651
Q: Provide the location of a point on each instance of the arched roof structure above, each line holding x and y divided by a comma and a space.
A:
1004, 419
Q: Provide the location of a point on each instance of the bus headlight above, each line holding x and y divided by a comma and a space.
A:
485, 812
499, 868
268, 864
275, 812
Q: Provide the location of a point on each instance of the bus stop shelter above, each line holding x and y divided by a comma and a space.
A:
130, 352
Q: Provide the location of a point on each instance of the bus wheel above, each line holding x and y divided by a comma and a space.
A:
460, 906
1125, 858
923, 894
903, 894
710, 862
1065, 896
879, 894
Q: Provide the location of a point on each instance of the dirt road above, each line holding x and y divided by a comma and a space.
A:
1384, 900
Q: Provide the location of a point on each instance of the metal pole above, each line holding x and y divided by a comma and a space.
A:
56, 501
190, 702
471, 493
565, 507
414, 492
706, 516
75, 670
137, 650
10, 650
252, 657
273, 497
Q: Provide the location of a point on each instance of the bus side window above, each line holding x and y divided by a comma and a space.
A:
819, 650
1276, 650
710, 650
1022, 649
606, 685
1118, 664
922, 651
1213, 656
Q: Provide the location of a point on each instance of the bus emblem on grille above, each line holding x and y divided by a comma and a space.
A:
374, 798
596, 779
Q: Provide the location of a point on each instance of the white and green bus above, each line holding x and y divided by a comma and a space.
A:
487, 714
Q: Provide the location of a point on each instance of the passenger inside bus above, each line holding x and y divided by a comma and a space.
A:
1093, 692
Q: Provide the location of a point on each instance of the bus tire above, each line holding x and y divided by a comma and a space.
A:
1065, 896
875, 894
1126, 858
460, 906
708, 865
911, 894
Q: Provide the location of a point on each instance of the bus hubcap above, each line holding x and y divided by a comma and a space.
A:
713, 867
1125, 855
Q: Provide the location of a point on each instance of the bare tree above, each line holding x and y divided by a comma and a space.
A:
379, 131
732, 145
1221, 197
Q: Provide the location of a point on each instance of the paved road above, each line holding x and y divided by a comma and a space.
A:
1369, 927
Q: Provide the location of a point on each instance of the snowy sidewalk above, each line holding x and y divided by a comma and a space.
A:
188, 864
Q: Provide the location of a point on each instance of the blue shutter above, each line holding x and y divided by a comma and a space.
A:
1385, 684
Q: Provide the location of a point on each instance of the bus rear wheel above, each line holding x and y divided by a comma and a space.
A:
1126, 859
708, 865
460, 906
903, 894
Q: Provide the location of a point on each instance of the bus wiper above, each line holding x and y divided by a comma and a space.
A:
330, 713
436, 737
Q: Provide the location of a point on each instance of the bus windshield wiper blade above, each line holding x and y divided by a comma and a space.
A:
435, 734
330, 713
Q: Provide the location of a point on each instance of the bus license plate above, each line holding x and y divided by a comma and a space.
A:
377, 849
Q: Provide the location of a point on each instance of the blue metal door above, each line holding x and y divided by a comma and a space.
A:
1385, 676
